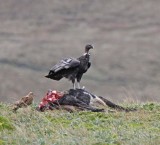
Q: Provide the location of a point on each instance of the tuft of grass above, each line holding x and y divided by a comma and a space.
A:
29, 126
5, 123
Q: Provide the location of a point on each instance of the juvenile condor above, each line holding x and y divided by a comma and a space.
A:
71, 68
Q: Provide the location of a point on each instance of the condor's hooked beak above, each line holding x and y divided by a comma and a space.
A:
87, 48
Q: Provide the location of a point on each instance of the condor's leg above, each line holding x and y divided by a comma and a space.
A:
79, 76
73, 82
78, 85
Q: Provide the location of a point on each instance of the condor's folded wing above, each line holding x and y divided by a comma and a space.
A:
59, 70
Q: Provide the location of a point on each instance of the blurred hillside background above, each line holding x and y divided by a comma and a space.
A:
36, 34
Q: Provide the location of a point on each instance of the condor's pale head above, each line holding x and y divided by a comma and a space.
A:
87, 48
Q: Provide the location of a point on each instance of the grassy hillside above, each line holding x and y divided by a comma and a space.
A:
35, 34
28, 126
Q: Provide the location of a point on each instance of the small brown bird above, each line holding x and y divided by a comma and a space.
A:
24, 101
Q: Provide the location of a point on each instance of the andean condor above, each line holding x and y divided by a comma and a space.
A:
71, 68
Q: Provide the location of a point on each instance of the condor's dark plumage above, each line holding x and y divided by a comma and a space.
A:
71, 68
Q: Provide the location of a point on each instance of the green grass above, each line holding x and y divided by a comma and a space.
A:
30, 127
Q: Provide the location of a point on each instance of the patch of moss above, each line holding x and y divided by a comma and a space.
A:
151, 106
2, 142
5, 124
59, 120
